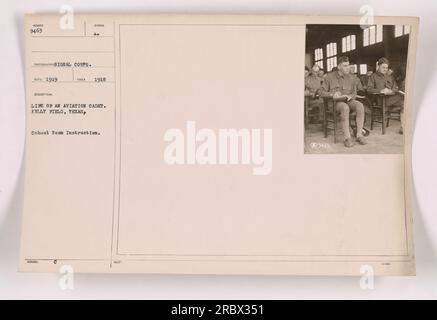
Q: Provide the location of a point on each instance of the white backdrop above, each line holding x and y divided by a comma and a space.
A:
14, 285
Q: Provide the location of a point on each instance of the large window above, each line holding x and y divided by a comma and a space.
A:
331, 54
320, 64
318, 57
348, 43
402, 30
332, 62
372, 35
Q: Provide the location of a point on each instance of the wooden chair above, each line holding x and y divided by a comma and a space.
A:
330, 115
308, 109
379, 112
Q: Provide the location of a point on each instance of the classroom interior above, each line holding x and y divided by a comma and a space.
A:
363, 47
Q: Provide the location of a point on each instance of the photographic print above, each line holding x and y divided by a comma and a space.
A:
355, 88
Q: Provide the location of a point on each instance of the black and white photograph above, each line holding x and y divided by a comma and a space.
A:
355, 79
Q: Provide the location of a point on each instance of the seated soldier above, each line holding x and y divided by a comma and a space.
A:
321, 73
383, 82
313, 83
343, 86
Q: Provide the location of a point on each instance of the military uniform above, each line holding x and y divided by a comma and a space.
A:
346, 84
379, 81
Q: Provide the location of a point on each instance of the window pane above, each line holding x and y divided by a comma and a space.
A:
353, 44
331, 49
372, 35
398, 31
332, 62
343, 45
366, 37
379, 33
363, 68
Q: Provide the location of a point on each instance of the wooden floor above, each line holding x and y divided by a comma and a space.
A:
377, 143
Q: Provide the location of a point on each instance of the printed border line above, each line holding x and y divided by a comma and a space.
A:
119, 176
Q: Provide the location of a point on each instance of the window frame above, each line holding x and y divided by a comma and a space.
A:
331, 55
349, 43
318, 57
405, 30
373, 34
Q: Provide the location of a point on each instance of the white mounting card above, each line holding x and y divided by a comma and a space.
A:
191, 144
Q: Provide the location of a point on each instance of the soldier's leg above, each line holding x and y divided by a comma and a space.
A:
358, 107
400, 104
321, 108
343, 108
